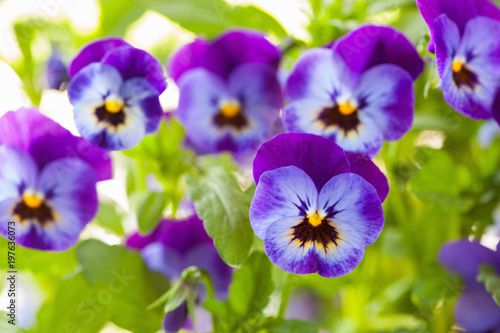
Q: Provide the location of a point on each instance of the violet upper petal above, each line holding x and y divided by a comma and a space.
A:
371, 45
132, 62
93, 52
46, 141
460, 14
363, 166
281, 193
465, 257
319, 157
227, 52
476, 310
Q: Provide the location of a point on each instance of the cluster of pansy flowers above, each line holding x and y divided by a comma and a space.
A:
318, 201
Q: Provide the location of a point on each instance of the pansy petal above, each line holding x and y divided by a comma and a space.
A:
229, 51
487, 8
18, 172
301, 116
371, 45
320, 158
283, 192
465, 257
94, 83
143, 97
132, 62
431, 9
447, 41
367, 139
46, 141
295, 257
69, 188
351, 200
476, 310
344, 257
163, 259
174, 320
246, 46
289, 255
191, 56
363, 166
200, 94
93, 52
385, 93
319, 74
258, 88
182, 235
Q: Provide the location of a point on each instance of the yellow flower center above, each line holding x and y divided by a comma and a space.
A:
314, 219
113, 106
457, 66
347, 108
32, 201
230, 110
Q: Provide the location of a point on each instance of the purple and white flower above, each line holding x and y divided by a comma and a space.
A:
475, 310
47, 180
357, 92
230, 96
174, 246
464, 38
315, 211
115, 91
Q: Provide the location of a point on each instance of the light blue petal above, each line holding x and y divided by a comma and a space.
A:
283, 192
353, 203
289, 255
386, 95
18, 172
159, 258
302, 116
319, 74
367, 139
200, 95
69, 186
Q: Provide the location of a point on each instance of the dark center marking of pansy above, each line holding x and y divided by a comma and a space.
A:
314, 229
343, 115
32, 207
111, 112
230, 115
462, 76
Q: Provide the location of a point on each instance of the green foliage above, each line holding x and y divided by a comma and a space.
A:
210, 18
85, 308
126, 286
491, 280
248, 295
150, 211
223, 206
109, 218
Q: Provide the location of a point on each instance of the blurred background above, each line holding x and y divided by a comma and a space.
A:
444, 176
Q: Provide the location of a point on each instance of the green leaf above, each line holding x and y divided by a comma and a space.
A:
108, 218
210, 18
248, 293
441, 181
150, 211
433, 286
117, 15
76, 306
223, 207
491, 280
294, 326
128, 285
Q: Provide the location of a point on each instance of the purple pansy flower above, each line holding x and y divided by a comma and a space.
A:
358, 92
230, 96
315, 211
57, 75
464, 38
174, 246
476, 310
114, 90
47, 180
